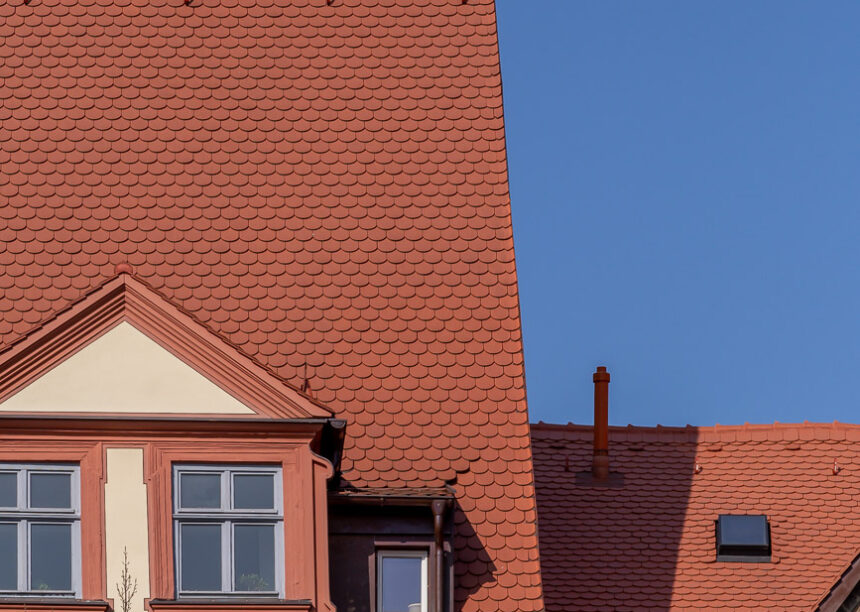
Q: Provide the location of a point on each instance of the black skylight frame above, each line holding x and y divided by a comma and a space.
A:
743, 538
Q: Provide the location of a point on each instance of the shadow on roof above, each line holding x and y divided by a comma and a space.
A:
613, 546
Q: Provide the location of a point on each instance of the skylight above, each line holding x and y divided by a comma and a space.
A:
743, 537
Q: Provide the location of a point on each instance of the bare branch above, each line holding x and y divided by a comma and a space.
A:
127, 586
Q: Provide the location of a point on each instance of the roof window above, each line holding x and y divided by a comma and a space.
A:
743, 537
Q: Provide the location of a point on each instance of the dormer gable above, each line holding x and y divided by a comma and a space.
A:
124, 348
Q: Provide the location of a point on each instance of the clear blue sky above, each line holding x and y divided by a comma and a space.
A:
686, 198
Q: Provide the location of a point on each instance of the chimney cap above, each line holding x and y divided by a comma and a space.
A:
601, 375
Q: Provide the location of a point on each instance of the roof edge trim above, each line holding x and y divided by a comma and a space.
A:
842, 589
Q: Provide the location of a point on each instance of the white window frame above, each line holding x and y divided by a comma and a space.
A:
25, 516
228, 517
388, 553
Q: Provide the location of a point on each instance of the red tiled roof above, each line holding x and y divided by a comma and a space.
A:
649, 544
322, 185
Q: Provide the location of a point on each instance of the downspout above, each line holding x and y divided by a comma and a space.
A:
439, 506
330, 446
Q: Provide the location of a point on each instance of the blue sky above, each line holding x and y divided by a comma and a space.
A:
686, 198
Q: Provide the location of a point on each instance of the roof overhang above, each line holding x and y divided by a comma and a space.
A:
390, 497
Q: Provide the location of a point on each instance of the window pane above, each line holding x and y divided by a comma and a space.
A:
743, 530
401, 584
8, 557
50, 557
200, 490
50, 490
254, 554
254, 491
8, 490
201, 557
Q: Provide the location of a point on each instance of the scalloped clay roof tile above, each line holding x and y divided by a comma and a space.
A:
144, 145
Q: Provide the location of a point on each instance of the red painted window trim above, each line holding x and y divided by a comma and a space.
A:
88, 454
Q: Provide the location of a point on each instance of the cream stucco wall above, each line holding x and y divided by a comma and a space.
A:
126, 526
124, 371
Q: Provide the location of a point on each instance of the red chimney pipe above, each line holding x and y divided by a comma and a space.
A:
600, 461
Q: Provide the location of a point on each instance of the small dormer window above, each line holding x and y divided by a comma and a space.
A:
743, 537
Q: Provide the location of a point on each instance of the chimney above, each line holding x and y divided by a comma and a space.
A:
600, 461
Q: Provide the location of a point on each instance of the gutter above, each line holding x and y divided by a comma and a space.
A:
330, 446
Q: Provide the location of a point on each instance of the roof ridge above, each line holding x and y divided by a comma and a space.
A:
754, 432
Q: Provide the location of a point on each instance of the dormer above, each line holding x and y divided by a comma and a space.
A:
136, 442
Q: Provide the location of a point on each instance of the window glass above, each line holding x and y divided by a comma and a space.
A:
254, 557
743, 530
229, 528
200, 490
253, 491
8, 490
401, 584
50, 490
50, 557
8, 556
201, 557
39, 554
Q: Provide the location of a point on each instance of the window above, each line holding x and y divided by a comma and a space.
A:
402, 581
40, 530
228, 530
743, 537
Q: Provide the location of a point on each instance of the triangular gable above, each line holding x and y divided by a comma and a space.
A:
124, 371
124, 314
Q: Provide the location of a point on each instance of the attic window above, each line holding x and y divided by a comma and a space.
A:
743, 537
